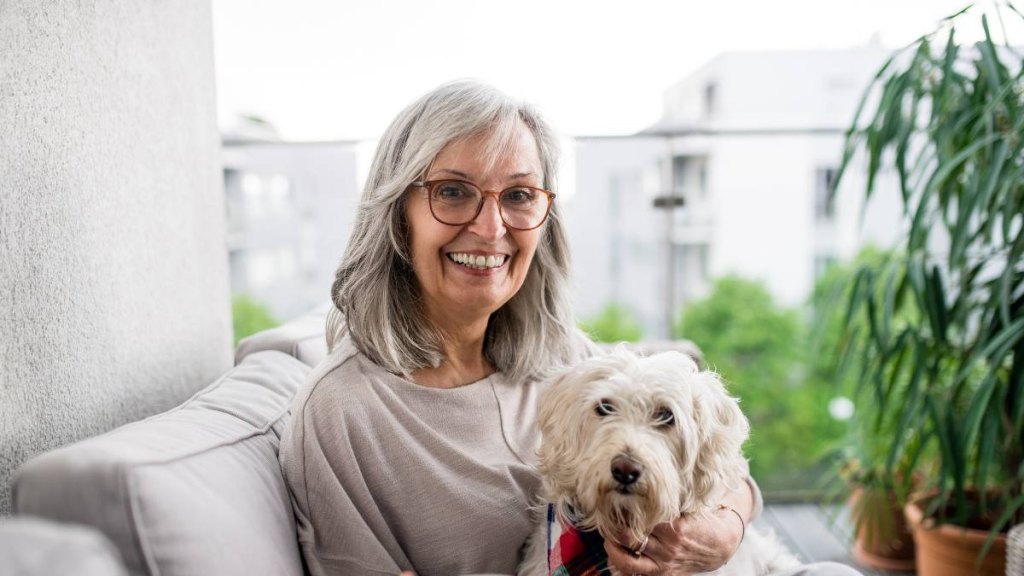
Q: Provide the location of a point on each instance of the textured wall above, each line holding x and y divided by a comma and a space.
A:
114, 299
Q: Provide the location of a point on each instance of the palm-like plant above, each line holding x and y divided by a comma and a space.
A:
938, 327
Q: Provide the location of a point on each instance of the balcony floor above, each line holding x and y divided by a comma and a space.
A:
814, 534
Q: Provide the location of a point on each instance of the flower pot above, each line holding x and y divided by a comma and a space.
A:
883, 538
948, 550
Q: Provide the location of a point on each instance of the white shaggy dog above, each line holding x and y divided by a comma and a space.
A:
629, 442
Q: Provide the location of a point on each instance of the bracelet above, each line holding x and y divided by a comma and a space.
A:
743, 524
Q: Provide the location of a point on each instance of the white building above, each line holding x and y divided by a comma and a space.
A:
290, 211
746, 151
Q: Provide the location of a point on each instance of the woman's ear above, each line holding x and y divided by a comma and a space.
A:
722, 429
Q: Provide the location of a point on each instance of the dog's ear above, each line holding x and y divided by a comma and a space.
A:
561, 418
722, 429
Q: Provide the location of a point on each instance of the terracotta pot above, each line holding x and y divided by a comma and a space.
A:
948, 550
883, 538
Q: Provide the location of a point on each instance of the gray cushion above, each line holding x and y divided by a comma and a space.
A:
196, 490
302, 338
37, 547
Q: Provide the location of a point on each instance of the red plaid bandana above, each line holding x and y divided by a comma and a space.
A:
573, 552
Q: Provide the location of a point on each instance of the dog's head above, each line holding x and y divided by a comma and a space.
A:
630, 442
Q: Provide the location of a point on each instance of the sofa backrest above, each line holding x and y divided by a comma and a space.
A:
302, 338
196, 490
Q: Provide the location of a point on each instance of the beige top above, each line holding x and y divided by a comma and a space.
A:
386, 475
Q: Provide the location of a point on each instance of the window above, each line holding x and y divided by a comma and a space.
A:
691, 271
679, 175
709, 100
822, 264
703, 186
266, 267
265, 195
690, 176
824, 194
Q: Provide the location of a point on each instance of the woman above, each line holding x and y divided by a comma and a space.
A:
411, 447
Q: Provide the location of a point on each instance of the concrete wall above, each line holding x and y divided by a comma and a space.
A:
114, 299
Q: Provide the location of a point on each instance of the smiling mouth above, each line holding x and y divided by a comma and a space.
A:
476, 262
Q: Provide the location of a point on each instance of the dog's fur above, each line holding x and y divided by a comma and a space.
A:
618, 405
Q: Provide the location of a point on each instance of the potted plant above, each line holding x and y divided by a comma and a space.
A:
874, 503
938, 326
876, 495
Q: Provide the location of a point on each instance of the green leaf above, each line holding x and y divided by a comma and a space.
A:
978, 408
995, 73
988, 447
937, 297
958, 13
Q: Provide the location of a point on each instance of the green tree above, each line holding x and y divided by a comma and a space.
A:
249, 316
615, 323
760, 349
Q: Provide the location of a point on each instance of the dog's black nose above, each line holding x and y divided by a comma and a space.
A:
625, 470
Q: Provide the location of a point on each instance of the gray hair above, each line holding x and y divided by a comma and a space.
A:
375, 291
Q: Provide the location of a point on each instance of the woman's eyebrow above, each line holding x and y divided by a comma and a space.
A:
456, 173
464, 176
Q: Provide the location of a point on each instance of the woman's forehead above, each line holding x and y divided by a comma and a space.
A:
490, 154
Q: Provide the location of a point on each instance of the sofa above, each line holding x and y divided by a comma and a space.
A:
195, 490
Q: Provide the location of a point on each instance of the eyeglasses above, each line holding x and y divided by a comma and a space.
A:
457, 202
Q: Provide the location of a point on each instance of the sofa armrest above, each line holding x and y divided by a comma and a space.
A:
195, 490
37, 547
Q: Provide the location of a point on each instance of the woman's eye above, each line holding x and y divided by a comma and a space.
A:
451, 192
604, 408
518, 196
664, 417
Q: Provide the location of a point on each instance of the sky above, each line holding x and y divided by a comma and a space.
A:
341, 69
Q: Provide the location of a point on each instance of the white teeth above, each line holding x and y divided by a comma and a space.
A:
478, 262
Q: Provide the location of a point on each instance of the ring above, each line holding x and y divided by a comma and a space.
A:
643, 546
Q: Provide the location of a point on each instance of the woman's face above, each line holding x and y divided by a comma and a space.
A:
454, 293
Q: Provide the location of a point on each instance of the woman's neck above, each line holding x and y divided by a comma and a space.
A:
464, 361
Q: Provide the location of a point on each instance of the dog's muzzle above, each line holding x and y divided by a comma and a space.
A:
626, 471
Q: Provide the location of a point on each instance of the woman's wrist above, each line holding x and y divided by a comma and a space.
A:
730, 511
742, 500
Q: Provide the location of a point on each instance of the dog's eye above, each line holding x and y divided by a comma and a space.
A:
604, 408
664, 417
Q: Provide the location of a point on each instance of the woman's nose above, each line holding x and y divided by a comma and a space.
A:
488, 223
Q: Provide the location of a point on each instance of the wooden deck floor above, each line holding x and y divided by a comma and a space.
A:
816, 534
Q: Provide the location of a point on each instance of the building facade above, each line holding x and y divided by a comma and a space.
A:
290, 211
736, 178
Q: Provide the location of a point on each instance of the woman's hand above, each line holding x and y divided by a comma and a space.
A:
687, 545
